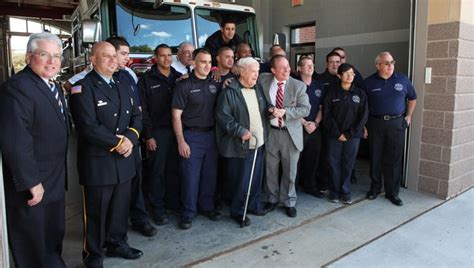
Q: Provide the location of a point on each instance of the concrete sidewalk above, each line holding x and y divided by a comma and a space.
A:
442, 237
322, 234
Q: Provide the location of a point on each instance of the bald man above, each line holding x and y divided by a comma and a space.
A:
108, 122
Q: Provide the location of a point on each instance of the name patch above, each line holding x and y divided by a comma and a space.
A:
195, 91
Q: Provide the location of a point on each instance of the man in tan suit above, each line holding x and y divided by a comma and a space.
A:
285, 140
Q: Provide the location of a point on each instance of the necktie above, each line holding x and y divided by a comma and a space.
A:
279, 101
54, 90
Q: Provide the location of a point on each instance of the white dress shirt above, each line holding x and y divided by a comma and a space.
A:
273, 93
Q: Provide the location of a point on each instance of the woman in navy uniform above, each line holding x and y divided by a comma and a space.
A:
108, 124
345, 114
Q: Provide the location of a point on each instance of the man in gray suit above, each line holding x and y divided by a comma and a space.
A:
285, 140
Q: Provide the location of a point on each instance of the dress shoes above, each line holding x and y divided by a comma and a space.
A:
238, 220
145, 229
395, 200
269, 207
185, 223
212, 215
371, 195
291, 212
125, 253
160, 219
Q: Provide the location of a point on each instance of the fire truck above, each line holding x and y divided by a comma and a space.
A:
147, 23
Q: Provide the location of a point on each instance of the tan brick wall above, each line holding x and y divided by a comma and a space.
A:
447, 142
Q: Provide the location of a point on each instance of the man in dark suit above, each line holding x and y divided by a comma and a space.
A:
34, 141
108, 122
285, 141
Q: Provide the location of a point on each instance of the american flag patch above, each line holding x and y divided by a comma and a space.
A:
76, 89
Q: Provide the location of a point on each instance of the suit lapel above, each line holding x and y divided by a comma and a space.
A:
48, 94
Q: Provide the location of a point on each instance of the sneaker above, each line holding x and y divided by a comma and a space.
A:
333, 198
346, 200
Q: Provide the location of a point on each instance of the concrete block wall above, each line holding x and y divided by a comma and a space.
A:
447, 142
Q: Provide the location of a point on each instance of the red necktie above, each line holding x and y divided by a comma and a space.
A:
279, 101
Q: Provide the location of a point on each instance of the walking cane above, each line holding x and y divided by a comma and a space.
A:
250, 181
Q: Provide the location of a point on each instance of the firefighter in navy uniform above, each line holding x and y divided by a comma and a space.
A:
193, 119
392, 101
108, 124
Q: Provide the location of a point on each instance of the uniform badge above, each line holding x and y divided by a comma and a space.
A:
76, 89
398, 87
213, 89
317, 92
356, 99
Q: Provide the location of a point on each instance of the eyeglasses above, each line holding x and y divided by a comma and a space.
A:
46, 56
388, 63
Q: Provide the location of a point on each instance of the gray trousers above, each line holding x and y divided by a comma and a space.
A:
281, 149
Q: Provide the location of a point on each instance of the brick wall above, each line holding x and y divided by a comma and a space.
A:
447, 142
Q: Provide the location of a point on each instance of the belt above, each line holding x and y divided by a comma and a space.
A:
387, 117
279, 128
199, 129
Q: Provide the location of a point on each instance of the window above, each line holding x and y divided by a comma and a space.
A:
303, 34
145, 27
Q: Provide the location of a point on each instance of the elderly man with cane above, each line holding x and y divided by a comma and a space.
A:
241, 127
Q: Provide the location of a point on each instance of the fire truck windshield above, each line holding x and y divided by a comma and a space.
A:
207, 22
145, 27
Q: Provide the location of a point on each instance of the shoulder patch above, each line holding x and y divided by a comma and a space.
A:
76, 89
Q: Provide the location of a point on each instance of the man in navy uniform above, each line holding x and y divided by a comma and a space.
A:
392, 101
34, 140
193, 119
225, 37
156, 87
138, 213
108, 122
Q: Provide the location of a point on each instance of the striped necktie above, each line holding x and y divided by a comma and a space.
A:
54, 90
279, 101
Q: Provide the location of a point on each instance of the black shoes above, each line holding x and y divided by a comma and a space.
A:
212, 215
145, 229
291, 212
125, 253
269, 207
395, 200
185, 223
371, 195
238, 220
160, 219
315, 193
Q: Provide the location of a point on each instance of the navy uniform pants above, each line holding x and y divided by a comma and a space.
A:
198, 172
342, 157
386, 141
35, 234
106, 209
138, 214
162, 173
239, 170
309, 162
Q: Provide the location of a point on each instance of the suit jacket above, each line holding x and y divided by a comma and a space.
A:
295, 102
34, 139
101, 112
